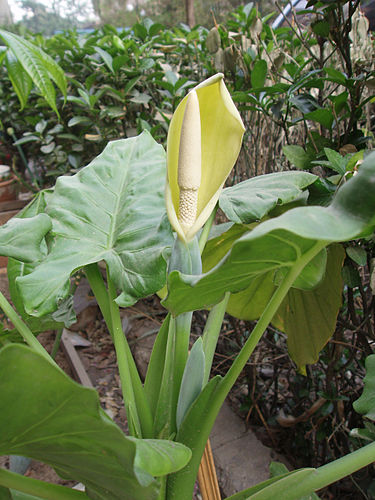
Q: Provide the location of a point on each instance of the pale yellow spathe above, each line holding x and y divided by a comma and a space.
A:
221, 132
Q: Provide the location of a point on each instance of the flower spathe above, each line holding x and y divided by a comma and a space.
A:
204, 140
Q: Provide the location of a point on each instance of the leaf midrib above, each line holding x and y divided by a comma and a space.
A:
116, 211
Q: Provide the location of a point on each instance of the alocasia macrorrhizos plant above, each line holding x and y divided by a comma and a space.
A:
276, 259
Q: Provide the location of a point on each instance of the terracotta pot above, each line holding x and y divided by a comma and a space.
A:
8, 189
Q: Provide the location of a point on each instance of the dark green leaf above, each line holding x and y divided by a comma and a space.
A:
337, 161
336, 76
357, 254
340, 101
304, 102
5, 494
323, 116
321, 28
298, 156
258, 74
351, 275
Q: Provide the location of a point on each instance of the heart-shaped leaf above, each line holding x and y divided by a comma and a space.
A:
309, 317
252, 199
46, 416
112, 210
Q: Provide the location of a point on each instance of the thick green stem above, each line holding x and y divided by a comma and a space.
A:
38, 488
186, 258
163, 488
165, 420
206, 229
22, 328
97, 285
121, 346
336, 470
129, 376
57, 343
211, 334
328, 474
263, 322
137, 408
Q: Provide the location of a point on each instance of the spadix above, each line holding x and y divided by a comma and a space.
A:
204, 141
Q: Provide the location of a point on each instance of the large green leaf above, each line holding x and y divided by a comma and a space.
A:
112, 210
308, 317
281, 243
252, 199
65, 315
46, 416
218, 246
21, 238
40, 67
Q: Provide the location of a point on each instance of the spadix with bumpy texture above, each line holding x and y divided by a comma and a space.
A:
204, 141
189, 162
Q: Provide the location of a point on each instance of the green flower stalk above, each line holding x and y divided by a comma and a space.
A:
204, 141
